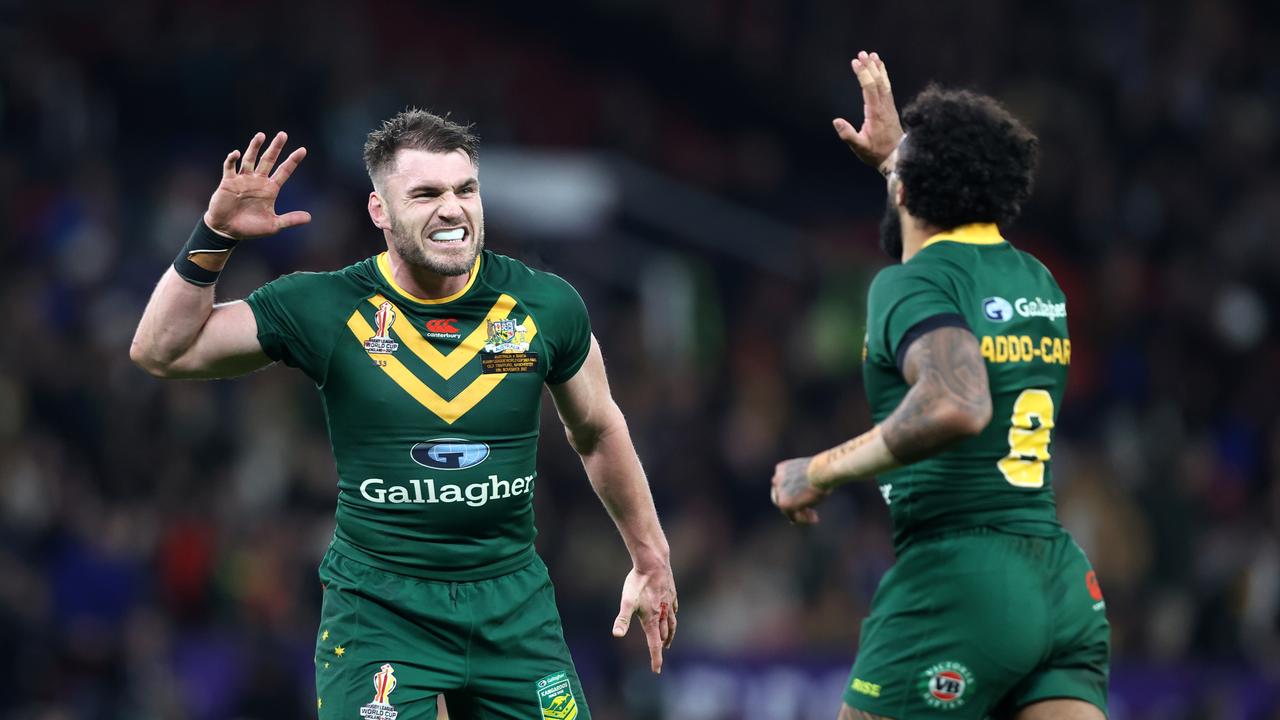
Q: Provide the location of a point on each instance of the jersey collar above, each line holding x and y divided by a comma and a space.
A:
384, 269
975, 234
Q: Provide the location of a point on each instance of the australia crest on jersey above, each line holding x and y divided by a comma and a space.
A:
381, 342
507, 348
506, 335
384, 681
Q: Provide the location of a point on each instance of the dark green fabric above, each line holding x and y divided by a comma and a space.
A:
485, 645
1016, 617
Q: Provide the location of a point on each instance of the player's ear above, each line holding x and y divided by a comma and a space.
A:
378, 212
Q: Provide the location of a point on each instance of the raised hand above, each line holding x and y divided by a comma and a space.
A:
244, 205
881, 129
652, 596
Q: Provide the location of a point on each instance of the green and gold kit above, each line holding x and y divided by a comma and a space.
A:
432, 405
972, 278
991, 605
432, 584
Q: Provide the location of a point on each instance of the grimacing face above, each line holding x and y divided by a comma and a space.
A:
433, 215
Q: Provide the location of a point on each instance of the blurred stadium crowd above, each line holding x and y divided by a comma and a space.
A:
158, 541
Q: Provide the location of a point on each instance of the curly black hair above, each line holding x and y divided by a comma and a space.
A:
965, 159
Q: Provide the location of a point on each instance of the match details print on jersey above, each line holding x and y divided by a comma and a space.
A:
432, 405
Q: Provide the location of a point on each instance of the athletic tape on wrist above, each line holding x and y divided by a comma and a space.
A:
201, 260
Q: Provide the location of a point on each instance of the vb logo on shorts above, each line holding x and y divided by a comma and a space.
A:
556, 697
945, 685
384, 681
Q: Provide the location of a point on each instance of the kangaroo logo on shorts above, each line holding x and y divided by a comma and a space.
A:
945, 685
384, 681
556, 697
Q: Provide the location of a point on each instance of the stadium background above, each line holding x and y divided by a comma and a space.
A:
675, 161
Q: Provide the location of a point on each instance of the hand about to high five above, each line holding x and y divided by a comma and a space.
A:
881, 129
244, 205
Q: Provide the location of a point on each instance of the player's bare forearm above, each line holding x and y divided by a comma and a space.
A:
949, 399
171, 322
182, 334
619, 481
598, 432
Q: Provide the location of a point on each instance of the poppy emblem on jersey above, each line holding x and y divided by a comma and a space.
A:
381, 342
945, 685
384, 681
1095, 590
449, 453
997, 309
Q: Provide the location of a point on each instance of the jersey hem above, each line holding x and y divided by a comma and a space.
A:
506, 566
1007, 526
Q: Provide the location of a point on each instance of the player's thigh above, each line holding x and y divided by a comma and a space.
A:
955, 624
1060, 709
520, 666
372, 661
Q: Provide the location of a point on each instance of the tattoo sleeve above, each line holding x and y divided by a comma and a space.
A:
949, 397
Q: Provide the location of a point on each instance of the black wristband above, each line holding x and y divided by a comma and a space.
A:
206, 242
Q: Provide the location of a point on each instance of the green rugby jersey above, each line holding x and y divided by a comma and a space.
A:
432, 405
971, 276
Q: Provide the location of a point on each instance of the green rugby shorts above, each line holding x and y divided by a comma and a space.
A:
979, 623
389, 644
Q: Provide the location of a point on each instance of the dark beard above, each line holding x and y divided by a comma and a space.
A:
414, 254
891, 232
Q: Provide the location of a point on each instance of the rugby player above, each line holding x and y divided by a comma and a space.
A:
430, 358
991, 609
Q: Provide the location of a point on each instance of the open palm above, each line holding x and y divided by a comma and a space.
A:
244, 205
881, 129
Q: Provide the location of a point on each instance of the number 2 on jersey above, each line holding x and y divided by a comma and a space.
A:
1029, 432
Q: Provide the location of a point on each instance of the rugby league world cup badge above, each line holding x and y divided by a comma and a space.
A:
384, 681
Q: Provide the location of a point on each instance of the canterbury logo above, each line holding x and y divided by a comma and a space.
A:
442, 325
446, 365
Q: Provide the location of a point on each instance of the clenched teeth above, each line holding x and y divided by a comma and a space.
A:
449, 235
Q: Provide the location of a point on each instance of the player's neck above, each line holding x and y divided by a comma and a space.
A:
914, 235
423, 283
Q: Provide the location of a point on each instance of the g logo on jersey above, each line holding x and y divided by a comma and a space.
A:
449, 453
997, 309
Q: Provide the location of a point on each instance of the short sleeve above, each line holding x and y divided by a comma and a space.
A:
290, 324
569, 330
902, 298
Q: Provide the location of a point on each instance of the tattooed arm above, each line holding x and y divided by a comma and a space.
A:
949, 400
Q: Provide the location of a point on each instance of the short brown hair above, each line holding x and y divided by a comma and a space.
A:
418, 130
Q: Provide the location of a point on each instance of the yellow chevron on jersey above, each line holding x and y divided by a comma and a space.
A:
460, 404
447, 364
